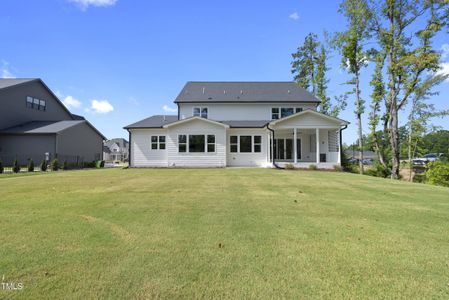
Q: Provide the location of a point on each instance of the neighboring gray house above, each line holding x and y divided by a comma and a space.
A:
35, 124
115, 150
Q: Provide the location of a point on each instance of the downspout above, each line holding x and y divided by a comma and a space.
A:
341, 149
178, 110
272, 152
129, 148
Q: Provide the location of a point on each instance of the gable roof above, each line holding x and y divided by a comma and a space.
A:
156, 121
309, 111
244, 92
186, 120
46, 127
8, 82
121, 142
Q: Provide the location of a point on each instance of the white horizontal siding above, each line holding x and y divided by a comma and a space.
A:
248, 159
142, 155
238, 111
216, 159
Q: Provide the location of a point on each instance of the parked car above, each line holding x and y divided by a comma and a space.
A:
423, 161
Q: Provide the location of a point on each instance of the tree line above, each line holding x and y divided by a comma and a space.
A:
397, 36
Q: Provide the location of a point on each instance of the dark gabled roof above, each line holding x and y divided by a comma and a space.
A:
156, 121
244, 92
159, 121
41, 127
7, 82
78, 117
47, 127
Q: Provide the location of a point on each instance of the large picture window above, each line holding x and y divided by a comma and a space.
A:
200, 112
285, 112
245, 143
196, 143
282, 112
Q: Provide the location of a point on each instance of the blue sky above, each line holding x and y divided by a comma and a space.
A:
117, 62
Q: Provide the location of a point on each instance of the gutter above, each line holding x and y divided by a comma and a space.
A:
272, 154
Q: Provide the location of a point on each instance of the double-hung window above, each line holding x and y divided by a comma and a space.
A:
234, 143
182, 143
200, 112
257, 143
36, 103
158, 142
210, 143
30, 102
42, 105
275, 113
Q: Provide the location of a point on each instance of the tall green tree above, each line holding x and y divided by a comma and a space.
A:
309, 67
398, 25
354, 57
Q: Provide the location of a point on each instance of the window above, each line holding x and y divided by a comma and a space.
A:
30, 102
211, 143
36, 103
200, 112
275, 113
257, 143
245, 143
162, 142
285, 112
234, 143
182, 143
154, 142
298, 109
158, 142
196, 143
42, 105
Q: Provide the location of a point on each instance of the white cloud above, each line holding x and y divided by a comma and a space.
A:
294, 16
84, 4
169, 109
71, 102
100, 106
444, 70
5, 71
445, 50
133, 101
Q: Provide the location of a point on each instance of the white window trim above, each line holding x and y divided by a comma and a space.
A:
252, 143
280, 111
158, 143
205, 143
201, 108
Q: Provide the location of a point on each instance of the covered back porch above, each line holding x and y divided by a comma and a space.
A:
307, 138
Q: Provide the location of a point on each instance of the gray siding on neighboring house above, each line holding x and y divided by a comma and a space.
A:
80, 140
14, 110
24, 147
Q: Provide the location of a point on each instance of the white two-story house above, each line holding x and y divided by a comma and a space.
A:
222, 124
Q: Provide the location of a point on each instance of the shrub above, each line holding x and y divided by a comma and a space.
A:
65, 166
30, 166
290, 167
2, 169
89, 164
378, 170
55, 165
44, 166
338, 168
99, 164
15, 166
421, 178
438, 173
313, 167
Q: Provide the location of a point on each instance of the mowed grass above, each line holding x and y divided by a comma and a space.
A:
222, 233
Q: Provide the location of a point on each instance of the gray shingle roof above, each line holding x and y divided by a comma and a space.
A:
7, 82
158, 121
197, 92
41, 127
120, 141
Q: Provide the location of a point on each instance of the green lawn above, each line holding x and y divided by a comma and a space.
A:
222, 233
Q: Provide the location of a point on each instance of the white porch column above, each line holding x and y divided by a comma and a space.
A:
317, 133
269, 147
295, 146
